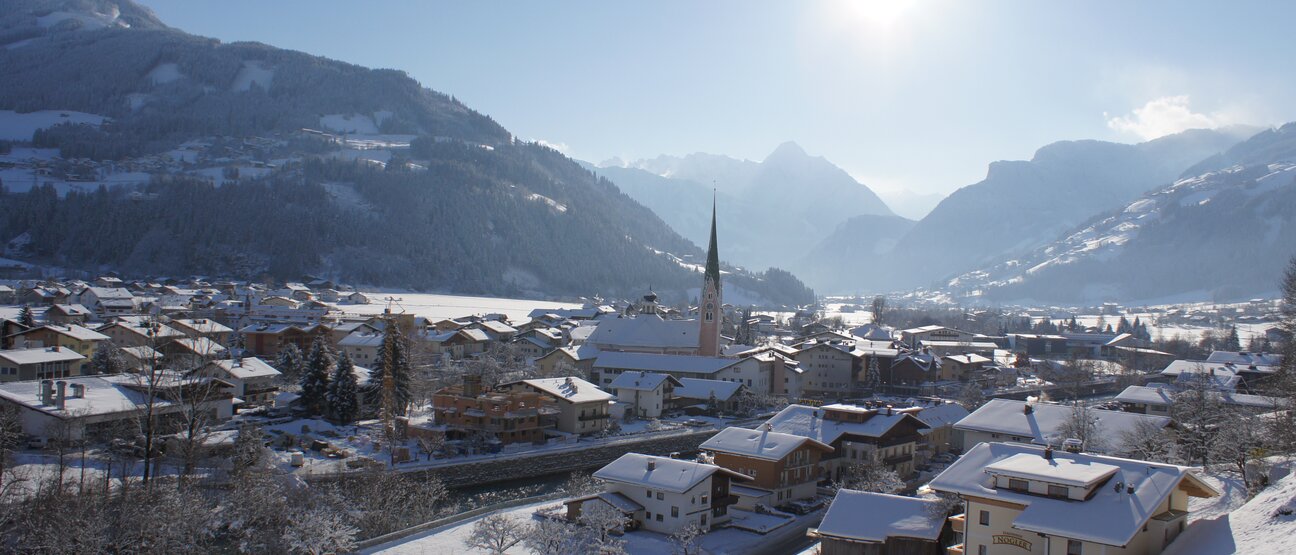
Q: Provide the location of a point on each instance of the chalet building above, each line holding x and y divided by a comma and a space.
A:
107, 302
205, 328
710, 397
458, 343
140, 358
1006, 420
192, 352
140, 332
782, 467
468, 411
664, 495
645, 394
362, 347
88, 406
651, 335
914, 373
579, 360
265, 340
963, 367
341, 329
867, 523
746, 371
856, 434
40, 363
582, 407
1024, 498
68, 314
940, 435
830, 369
250, 379
77, 338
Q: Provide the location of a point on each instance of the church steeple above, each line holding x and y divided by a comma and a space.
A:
710, 312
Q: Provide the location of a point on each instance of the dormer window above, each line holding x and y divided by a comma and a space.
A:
1019, 485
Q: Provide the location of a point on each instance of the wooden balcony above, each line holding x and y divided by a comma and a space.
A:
958, 523
954, 550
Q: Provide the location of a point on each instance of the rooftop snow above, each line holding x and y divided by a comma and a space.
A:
697, 388
1045, 422
662, 363
639, 381
571, 389
808, 422
673, 475
248, 368
1058, 470
760, 444
39, 355
646, 332
1108, 517
888, 516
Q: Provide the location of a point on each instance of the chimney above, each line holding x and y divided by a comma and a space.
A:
78, 391
471, 385
1048, 453
1028, 408
47, 392
888, 412
652, 465
60, 399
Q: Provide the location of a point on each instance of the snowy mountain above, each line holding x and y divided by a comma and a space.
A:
774, 209
1222, 235
247, 160
858, 247
1021, 205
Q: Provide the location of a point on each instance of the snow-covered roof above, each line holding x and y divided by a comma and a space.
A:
141, 352
1059, 470
1164, 396
1180, 367
250, 367
944, 414
697, 388
809, 422
201, 346
873, 332
361, 339
641, 381
663, 363
570, 389
969, 358
673, 475
203, 325
646, 332
72, 309
496, 326
79, 333
760, 444
1045, 422
39, 355
104, 293
1108, 516
874, 517
103, 395
1244, 358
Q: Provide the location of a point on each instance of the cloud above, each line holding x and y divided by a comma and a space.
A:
1164, 116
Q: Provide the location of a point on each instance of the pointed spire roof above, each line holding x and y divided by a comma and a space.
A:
713, 254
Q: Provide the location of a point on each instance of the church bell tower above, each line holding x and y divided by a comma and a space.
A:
709, 305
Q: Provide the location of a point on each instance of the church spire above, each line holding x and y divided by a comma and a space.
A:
713, 254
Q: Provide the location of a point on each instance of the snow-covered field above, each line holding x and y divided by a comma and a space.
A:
16, 126
439, 307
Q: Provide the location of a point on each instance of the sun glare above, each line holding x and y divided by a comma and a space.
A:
876, 15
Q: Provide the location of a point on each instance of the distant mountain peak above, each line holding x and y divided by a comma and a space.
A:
788, 149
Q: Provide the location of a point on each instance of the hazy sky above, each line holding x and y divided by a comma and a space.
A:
903, 94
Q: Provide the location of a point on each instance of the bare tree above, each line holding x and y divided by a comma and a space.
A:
686, 541
869, 475
496, 533
319, 531
1147, 441
552, 537
603, 524
1198, 411
880, 310
1242, 441
1082, 424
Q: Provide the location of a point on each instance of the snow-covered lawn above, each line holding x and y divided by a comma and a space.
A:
16, 126
440, 307
1231, 524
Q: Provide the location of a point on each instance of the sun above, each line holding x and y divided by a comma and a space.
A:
874, 15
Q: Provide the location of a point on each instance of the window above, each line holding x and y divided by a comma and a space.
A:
985, 518
659, 517
649, 493
1058, 491
674, 512
659, 496
981, 550
1074, 547
705, 497
1022, 485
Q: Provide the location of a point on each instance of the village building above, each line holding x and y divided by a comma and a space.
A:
664, 495
78, 407
1024, 498
856, 434
1006, 420
782, 467
39, 363
894, 525
940, 435
78, 338
1158, 399
139, 358
265, 340
746, 371
362, 347
107, 302
139, 332
203, 327
68, 314
914, 336
251, 380
470, 412
569, 360
710, 397
583, 408
645, 394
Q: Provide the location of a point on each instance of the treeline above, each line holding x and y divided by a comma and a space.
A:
464, 224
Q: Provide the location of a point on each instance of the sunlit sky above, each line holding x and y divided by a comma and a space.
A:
916, 95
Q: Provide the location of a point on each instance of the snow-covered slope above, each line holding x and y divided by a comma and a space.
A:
1257, 526
1221, 235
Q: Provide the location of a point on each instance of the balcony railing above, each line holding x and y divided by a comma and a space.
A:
588, 417
958, 523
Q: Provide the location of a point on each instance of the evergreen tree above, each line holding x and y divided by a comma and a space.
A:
393, 357
26, 318
1231, 341
1123, 326
290, 362
106, 359
343, 395
315, 381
